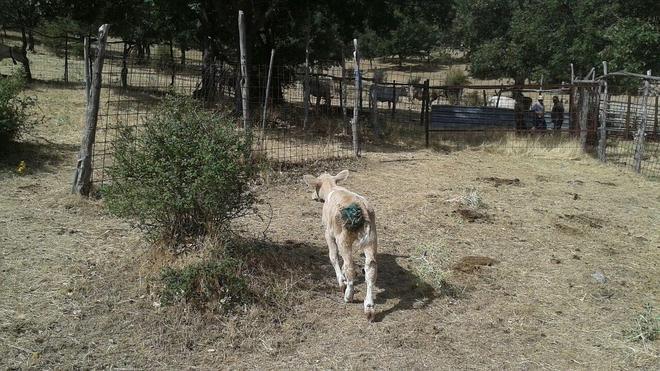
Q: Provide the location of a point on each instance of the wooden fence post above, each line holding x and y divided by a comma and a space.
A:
583, 115
572, 73
641, 132
602, 138
356, 105
393, 97
270, 74
245, 76
342, 87
626, 131
655, 120
82, 180
88, 74
306, 87
373, 109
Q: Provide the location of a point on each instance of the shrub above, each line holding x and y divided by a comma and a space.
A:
14, 110
185, 172
205, 285
457, 77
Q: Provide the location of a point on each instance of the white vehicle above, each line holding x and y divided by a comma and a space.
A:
505, 102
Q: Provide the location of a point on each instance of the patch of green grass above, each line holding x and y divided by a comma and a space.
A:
213, 284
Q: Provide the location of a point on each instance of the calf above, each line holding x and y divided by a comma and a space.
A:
347, 218
383, 93
321, 88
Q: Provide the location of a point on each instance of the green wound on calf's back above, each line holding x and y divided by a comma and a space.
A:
352, 217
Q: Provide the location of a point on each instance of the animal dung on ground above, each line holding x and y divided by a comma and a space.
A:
500, 181
470, 264
472, 215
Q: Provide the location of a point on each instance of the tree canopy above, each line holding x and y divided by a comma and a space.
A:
501, 38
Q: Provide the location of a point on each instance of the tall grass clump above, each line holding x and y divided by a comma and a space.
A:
184, 173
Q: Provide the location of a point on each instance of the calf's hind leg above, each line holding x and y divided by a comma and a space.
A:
334, 259
370, 247
345, 243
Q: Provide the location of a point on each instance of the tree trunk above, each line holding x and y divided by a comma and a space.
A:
172, 63
30, 41
206, 91
140, 53
25, 61
183, 55
124, 66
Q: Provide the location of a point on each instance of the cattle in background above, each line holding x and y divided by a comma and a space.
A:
389, 94
321, 88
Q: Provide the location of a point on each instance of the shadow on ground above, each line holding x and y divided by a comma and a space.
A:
38, 157
399, 283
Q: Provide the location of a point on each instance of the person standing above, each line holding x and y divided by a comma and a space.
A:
539, 114
557, 114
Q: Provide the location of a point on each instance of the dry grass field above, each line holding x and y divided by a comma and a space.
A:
489, 258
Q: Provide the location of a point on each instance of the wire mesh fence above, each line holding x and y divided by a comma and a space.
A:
307, 113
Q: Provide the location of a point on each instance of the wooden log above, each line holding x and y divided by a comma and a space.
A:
245, 76
641, 132
82, 180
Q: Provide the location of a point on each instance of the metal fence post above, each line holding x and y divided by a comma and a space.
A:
358, 100
425, 105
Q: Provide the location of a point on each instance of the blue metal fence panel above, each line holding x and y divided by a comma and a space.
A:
447, 117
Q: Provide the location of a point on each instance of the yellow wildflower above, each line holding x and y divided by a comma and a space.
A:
22, 167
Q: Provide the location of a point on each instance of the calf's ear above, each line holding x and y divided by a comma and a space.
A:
341, 176
310, 180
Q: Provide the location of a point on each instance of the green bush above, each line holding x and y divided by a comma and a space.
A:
205, 285
14, 110
185, 172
